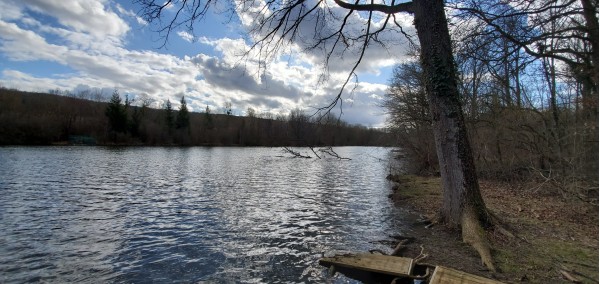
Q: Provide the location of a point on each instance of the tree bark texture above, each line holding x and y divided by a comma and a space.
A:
457, 168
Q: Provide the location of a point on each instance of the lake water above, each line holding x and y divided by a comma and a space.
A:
185, 215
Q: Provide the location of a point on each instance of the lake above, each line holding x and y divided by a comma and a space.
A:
182, 215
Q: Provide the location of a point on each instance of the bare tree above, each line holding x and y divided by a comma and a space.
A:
562, 30
406, 99
277, 23
409, 118
543, 56
299, 127
250, 112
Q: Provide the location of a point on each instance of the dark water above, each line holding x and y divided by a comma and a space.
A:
156, 215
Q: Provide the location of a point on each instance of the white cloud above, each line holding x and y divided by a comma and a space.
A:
133, 71
141, 21
124, 11
89, 16
186, 36
24, 45
312, 29
100, 58
9, 11
24, 81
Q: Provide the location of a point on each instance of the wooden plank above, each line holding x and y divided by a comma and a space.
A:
386, 264
451, 276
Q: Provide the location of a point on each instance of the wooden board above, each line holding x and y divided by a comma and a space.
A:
386, 264
451, 276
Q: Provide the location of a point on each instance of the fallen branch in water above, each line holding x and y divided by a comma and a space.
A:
296, 154
329, 151
313, 150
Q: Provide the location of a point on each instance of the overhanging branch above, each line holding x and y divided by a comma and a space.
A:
386, 9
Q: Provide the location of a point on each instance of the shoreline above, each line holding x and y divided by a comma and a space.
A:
556, 237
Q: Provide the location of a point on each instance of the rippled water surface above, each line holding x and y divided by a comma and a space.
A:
148, 215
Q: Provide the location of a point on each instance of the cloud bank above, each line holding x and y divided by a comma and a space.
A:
92, 39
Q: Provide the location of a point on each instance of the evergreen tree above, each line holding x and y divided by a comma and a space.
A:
183, 116
116, 113
208, 118
136, 118
169, 115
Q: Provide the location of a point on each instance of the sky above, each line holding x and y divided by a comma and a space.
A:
103, 45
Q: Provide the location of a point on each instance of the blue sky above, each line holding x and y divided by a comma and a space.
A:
103, 44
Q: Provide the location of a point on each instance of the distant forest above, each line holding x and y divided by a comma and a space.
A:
48, 119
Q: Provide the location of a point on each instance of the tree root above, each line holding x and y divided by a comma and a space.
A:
399, 247
474, 234
499, 226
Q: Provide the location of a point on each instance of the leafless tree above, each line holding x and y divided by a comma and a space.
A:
561, 30
409, 118
527, 110
279, 23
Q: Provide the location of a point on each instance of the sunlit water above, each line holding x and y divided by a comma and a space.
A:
185, 215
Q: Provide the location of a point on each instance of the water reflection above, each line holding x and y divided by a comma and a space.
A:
186, 214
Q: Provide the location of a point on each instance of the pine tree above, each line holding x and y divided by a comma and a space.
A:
116, 113
208, 118
169, 115
183, 116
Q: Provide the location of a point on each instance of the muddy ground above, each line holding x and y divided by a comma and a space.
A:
556, 234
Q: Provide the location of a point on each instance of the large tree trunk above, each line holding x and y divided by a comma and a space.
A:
590, 80
590, 10
463, 206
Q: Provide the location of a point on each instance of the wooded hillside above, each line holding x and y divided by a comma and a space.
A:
44, 119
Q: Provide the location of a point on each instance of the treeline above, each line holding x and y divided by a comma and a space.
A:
552, 143
529, 85
48, 119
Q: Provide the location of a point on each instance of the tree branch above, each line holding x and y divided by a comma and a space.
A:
386, 9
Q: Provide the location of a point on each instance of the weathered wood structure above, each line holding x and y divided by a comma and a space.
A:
444, 275
386, 264
401, 268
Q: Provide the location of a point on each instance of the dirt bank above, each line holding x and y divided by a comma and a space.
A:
556, 235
